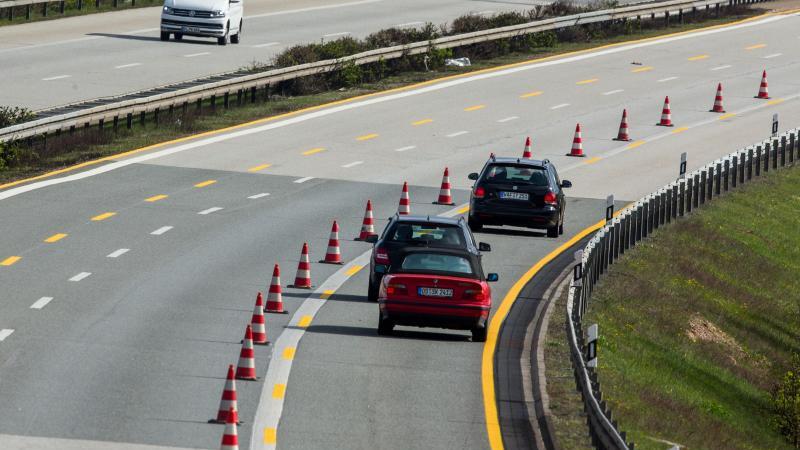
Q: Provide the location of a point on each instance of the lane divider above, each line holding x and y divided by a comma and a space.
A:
10, 261
367, 137
55, 238
41, 303
104, 216
589, 81
205, 183
259, 168
156, 198
313, 151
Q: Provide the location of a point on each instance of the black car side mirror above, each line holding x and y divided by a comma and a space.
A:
484, 247
492, 277
373, 238
566, 184
473, 176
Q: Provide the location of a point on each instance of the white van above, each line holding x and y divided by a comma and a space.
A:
221, 19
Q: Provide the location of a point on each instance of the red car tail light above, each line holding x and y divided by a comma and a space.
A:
381, 256
396, 289
474, 294
550, 198
479, 192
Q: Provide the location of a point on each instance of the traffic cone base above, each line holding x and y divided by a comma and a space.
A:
331, 262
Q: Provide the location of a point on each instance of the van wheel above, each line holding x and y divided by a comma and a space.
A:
164, 36
479, 334
224, 39
385, 326
236, 38
178, 36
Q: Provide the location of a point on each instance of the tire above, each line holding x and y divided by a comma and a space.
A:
474, 225
561, 227
385, 326
552, 232
479, 334
178, 36
372, 292
236, 38
224, 39
164, 36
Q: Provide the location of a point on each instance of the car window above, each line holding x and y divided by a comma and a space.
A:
424, 262
447, 235
510, 173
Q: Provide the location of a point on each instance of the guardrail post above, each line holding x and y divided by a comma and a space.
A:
690, 196
680, 16
663, 207
100, 124
155, 116
133, 3
682, 199
791, 148
129, 121
775, 153
696, 191
27, 12
718, 180
666, 19
96, 3
758, 161
742, 158
44, 9
783, 151
669, 199
750, 159
734, 170
253, 94
185, 108
116, 123
80, 5
199, 105
114, 4
213, 102
141, 118
726, 175
677, 201
617, 227
703, 184
767, 151
61, 6
225, 100
239, 97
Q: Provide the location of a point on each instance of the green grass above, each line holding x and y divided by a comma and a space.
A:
70, 10
733, 264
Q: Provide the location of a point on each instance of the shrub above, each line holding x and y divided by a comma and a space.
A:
13, 115
786, 403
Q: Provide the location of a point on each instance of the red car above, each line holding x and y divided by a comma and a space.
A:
436, 287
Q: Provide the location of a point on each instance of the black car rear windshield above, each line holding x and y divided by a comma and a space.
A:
429, 233
437, 263
516, 173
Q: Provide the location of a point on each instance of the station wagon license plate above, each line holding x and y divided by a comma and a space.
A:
434, 292
514, 195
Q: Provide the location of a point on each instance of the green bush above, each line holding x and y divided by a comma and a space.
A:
13, 115
786, 403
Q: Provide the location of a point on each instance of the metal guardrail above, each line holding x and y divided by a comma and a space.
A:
127, 107
9, 6
635, 223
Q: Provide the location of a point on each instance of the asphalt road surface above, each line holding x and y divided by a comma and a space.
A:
121, 331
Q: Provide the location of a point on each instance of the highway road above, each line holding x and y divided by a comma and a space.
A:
58, 62
121, 330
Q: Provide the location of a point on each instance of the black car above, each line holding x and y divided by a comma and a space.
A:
520, 192
417, 231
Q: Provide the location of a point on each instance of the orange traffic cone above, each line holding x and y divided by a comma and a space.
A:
444, 192
577, 143
246, 370
258, 323
230, 439
527, 152
666, 114
623, 135
717, 108
368, 224
302, 280
334, 254
404, 208
763, 91
274, 298
228, 402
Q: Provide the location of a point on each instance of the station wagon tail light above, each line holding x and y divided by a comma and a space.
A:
480, 192
550, 198
396, 289
474, 294
381, 256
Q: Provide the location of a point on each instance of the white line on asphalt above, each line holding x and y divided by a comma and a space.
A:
57, 77
615, 91
402, 149
667, 79
210, 210
161, 231
508, 119
409, 24
457, 133
125, 66
268, 44
563, 105
341, 33
726, 66
80, 276
774, 55
118, 253
41, 303
352, 164
313, 8
4, 333
8, 193
303, 180
485, 13
263, 194
192, 55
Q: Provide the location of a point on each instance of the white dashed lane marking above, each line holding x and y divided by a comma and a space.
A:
507, 119
118, 253
263, 194
125, 66
4, 333
563, 105
726, 66
615, 91
409, 24
57, 77
192, 55
457, 133
352, 164
342, 33
210, 210
41, 303
667, 79
80, 276
268, 44
303, 180
402, 149
774, 55
161, 231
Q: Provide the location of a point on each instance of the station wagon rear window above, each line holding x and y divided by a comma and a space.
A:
512, 173
448, 235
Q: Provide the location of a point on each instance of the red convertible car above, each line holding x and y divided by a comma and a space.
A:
436, 287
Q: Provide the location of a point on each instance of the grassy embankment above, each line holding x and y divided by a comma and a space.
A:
70, 10
699, 322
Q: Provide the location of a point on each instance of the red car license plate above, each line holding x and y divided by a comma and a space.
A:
434, 292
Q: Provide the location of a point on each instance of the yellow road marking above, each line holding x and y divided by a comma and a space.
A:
726, 116
753, 47
326, 294
270, 436
642, 69
279, 391
103, 216
10, 260
531, 94
304, 322
205, 183
313, 151
421, 122
259, 168
156, 198
353, 270
679, 130
635, 144
697, 58
474, 108
487, 359
288, 353
593, 160
55, 238
367, 137
381, 93
590, 80
463, 210
777, 101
